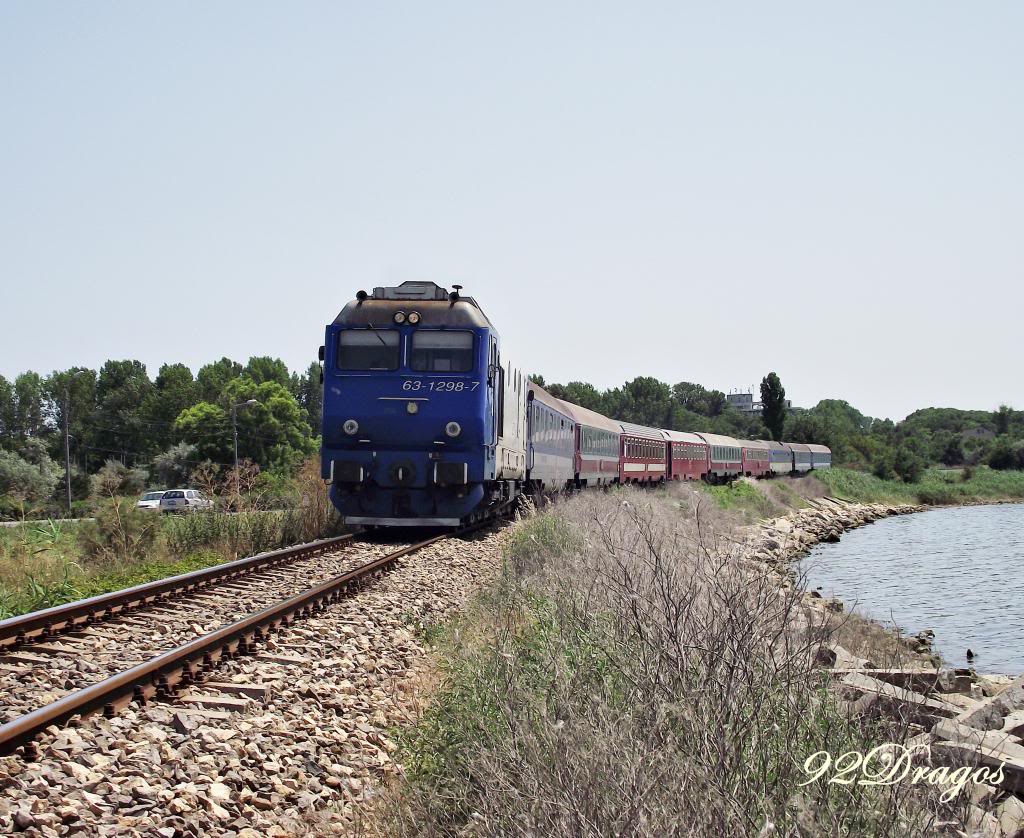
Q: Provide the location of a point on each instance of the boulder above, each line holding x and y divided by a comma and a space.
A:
1011, 817
988, 715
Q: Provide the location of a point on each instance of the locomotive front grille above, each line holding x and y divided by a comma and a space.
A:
451, 474
347, 472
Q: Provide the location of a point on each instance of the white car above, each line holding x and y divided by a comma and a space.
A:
150, 500
184, 500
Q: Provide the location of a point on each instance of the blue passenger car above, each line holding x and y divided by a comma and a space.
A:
423, 422
551, 447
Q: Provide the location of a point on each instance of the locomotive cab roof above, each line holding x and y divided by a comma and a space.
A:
437, 307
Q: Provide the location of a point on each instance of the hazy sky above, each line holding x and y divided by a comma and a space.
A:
694, 191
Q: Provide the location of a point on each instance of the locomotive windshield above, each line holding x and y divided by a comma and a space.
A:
368, 349
441, 351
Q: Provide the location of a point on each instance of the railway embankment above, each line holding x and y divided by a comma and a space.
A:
648, 662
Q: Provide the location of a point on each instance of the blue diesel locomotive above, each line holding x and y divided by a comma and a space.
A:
424, 424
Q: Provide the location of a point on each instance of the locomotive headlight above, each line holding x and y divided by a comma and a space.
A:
453, 429
414, 317
399, 317
351, 427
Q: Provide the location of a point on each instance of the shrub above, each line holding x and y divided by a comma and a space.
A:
116, 479
908, 464
21, 478
119, 531
174, 465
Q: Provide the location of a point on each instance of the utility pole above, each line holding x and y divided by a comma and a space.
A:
234, 428
67, 443
67, 434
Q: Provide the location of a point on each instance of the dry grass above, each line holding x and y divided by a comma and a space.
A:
631, 675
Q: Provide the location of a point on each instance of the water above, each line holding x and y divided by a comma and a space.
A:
957, 571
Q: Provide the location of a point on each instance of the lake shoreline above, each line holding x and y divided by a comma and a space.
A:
958, 716
781, 542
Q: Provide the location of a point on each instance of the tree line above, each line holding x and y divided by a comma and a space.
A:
177, 428
159, 430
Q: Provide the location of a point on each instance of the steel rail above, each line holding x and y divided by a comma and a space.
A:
163, 675
42, 625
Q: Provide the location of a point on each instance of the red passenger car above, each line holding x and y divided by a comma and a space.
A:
596, 446
688, 458
725, 457
757, 458
643, 454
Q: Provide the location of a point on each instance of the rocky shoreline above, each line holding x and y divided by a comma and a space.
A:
958, 717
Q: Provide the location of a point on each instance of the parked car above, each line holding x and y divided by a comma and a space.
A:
150, 500
184, 500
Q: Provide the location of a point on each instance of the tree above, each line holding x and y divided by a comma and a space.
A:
207, 427
272, 433
773, 401
264, 368
175, 390
311, 397
122, 388
78, 386
585, 395
952, 452
908, 463
214, 378
645, 401
1003, 455
8, 410
29, 408
1001, 418
698, 399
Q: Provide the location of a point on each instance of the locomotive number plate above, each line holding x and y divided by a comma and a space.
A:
416, 386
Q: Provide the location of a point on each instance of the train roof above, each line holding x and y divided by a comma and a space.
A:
590, 418
436, 307
796, 446
642, 430
719, 439
683, 436
819, 449
544, 397
754, 443
773, 445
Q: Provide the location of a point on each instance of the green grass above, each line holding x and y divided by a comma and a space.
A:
937, 486
742, 497
47, 563
138, 574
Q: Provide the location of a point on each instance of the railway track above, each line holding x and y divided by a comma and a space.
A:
150, 642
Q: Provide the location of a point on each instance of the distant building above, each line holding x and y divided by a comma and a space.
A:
744, 402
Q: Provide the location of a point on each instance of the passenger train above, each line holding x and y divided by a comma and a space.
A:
426, 423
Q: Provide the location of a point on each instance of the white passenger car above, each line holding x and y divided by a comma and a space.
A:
150, 500
184, 500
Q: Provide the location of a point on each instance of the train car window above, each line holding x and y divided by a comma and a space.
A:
368, 349
435, 351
